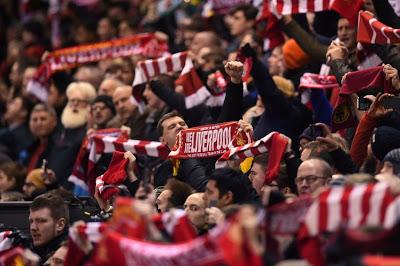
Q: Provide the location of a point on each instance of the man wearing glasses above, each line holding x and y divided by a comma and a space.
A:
313, 174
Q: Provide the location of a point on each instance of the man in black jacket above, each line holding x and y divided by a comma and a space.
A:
48, 219
190, 171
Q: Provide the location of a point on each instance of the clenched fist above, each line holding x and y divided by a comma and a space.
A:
235, 70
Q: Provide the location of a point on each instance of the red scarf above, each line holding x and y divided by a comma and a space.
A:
208, 141
71, 57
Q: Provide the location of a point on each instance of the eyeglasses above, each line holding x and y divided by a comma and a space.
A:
98, 107
309, 179
77, 101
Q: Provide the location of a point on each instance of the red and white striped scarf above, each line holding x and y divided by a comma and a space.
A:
108, 144
80, 241
348, 206
288, 7
71, 57
370, 30
273, 143
226, 244
193, 89
82, 172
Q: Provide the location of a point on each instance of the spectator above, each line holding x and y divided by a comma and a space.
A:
108, 86
42, 124
173, 196
127, 112
190, 171
103, 111
76, 113
58, 258
57, 98
195, 209
312, 175
226, 186
49, 220
34, 184
391, 163
241, 22
16, 136
12, 177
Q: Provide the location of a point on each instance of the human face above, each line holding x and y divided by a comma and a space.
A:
163, 200
346, 33
101, 113
387, 168
257, 175
195, 209
108, 86
200, 40
212, 193
152, 100
43, 227
28, 188
310, 177
125, 74
14, 110
275, 62
55, 99
42, 124
6, 183
58, 257
171, 127
238, 24
123, 103
76, 100
105, 31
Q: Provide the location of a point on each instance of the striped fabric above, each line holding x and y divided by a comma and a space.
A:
82, 172
248, 150
273, 143
193, 89
106, 144
288, 7
370, 30
350, 207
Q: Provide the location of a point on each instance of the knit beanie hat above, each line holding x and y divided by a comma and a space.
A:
384, 140
35, 177
107, 100
293, 55
285, 86
311, 133
394, 158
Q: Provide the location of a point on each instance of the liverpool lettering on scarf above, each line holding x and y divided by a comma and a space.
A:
207, 141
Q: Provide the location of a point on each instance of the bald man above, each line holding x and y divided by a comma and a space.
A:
195, 208
108, 86
313, 174
127, 112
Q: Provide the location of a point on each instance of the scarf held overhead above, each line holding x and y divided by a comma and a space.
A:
71, 57
193, 89
208, 141
370, 30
